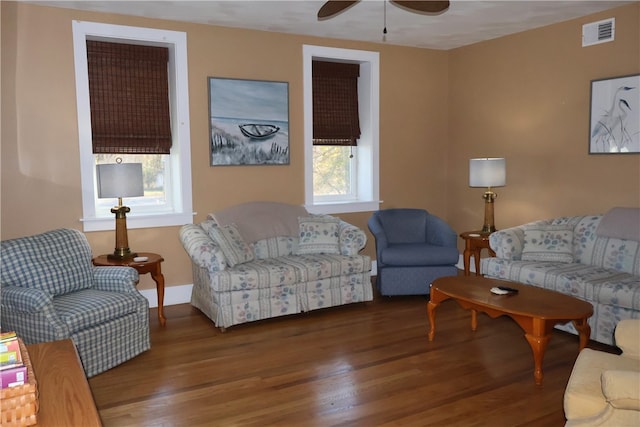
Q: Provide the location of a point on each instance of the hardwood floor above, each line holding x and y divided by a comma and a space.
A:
357, 365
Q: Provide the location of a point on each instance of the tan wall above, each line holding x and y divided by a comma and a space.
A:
524, 97
40, 159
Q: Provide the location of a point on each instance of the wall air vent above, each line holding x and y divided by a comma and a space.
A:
598, 32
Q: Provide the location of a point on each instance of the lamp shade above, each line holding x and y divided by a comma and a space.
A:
119, 180
487, 172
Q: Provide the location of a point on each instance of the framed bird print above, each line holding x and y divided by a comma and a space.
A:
615, 115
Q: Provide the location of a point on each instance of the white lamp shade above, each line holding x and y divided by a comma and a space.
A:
487, 172
119, 180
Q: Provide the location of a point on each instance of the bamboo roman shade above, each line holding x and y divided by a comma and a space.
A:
335, 103
129, 96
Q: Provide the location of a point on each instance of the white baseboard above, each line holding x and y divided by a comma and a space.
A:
172, 295
472, 264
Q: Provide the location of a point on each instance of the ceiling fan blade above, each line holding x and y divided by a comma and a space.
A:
423, 6
332, 8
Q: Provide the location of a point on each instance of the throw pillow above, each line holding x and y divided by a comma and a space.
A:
319, 235
234, 248
548, 243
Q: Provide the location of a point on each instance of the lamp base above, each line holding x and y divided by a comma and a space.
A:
122, 250
489, 225
487, 229
122, 254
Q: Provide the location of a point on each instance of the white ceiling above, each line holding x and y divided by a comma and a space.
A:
466, 22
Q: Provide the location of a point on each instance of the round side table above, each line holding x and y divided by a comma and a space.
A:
474, 243
152, 266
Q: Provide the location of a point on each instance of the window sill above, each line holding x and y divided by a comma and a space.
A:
343, 207
138, 221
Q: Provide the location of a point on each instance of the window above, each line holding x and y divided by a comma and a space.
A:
167, 177
336, 130
343, 178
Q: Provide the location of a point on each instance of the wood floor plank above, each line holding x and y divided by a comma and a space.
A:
357, 365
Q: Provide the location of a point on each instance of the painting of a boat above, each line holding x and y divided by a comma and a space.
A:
248, 122
258, 131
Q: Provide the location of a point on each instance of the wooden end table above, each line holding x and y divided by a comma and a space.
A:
152, 265
474, 243
536, 310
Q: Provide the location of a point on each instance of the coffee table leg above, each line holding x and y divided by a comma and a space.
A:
538, 345
583, 328
431, 311
474, 320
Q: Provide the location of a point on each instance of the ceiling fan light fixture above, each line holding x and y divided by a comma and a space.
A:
332, 8
423, 7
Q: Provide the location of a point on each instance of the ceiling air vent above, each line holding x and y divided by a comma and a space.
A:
598, 32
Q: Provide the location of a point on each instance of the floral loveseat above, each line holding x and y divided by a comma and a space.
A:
595, 258
264, 259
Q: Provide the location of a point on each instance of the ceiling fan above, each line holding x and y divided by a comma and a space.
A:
334, 7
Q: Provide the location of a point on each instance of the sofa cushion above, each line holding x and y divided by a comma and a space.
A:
587, 282
234, 248
546, 242
608, 252
583, 396
274, 247
89, 307
420, 254
622, 389
319, 234
287, 271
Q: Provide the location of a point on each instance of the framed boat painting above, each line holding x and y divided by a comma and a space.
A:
615, 115
248, 122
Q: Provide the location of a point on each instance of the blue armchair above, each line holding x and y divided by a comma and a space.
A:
50, 290
413, 247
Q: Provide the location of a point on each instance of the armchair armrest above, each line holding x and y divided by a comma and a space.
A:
627, 337
440, 233
30, 312
621, 390
201, 249
378, 232
352, 239
508, 243
24, 300
115, 279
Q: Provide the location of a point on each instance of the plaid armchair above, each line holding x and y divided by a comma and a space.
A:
50, 290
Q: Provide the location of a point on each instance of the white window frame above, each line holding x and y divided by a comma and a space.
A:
368, 158
180, 156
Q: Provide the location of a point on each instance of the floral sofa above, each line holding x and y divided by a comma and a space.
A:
260, 260
595, 258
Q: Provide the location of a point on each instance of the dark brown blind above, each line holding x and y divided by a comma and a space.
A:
129, 96
335, 103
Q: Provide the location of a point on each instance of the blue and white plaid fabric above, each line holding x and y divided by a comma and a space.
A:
51, 291
57, 261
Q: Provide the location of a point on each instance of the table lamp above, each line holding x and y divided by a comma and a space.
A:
489, 173
120, 180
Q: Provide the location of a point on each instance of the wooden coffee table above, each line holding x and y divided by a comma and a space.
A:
536, 310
